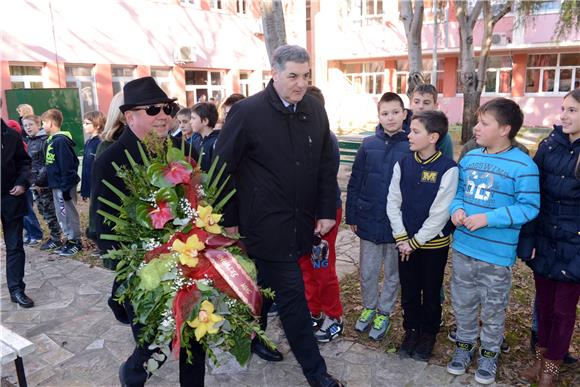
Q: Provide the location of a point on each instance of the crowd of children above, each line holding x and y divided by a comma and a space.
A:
412, 206
477, 208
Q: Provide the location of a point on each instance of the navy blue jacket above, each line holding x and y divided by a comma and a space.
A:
555, 233
62, 163
207, 145
88, 159
368, 187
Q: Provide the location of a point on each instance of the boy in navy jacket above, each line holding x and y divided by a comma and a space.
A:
62, 165
422, 188
366, 214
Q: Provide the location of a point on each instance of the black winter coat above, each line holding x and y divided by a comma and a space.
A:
555, 233
15, 171
368, 187
282, 167
37, 152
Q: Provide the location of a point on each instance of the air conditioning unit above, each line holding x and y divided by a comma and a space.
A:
184, 54
500, 39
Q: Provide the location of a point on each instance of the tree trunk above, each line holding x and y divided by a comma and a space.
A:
413, 22
273, 24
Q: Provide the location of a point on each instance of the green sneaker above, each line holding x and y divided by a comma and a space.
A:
381, 325
364, 321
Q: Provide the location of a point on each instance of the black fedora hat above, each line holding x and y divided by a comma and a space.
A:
141, 92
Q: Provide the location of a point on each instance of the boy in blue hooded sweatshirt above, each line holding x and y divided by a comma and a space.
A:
62, 165
366, 204
498, 192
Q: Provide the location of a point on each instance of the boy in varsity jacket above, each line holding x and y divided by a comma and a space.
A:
422, 187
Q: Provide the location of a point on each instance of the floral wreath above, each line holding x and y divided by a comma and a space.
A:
185, 278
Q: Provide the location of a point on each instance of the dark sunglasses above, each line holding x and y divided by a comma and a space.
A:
154, 110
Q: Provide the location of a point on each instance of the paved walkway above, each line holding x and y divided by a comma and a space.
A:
79, 343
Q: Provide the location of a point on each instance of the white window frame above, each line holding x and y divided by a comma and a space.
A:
365, 18
217, 4
221, 88
245, 83
122, 79
27, 79
78, 79
365, 76
557, 69
242, 7
166, 80
266, 76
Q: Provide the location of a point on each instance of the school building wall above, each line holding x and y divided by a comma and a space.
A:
360, 55
108, 42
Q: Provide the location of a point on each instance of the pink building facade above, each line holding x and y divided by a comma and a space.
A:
361, 52
196, 49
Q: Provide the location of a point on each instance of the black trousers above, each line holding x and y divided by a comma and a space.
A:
285, 279
190, 375
421, 279
15, 256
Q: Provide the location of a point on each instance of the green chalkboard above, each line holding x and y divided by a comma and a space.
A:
66, 100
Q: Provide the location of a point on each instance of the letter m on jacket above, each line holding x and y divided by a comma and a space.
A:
429, 177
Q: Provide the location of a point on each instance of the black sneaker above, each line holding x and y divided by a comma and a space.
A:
424, 349
317, 320
51, 244
330, 329
409, 343
569, 359
70, 248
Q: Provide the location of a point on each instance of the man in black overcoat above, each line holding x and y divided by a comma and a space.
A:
15, 181
278, 150
147, 110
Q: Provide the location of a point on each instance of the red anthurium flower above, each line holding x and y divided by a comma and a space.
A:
177, 173
161, 215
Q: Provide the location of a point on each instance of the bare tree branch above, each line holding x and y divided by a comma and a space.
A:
507, 7
472, 19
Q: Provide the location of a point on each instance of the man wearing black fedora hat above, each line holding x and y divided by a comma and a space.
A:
148, 110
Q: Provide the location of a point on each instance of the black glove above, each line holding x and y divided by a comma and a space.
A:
66, 195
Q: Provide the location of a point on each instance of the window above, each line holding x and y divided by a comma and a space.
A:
498, 75
365, 12
216, 4
552, 73
552, 6
122, 75
162, 77
365, 78
402, 67
245, 82
201, 85
82, 78
26, 77
242, 6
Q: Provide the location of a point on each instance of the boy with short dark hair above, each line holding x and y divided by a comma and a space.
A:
422, 188
62, 165
366, 201
424, 98
498, 192
204, 116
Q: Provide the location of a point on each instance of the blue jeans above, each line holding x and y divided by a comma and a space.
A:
31, 225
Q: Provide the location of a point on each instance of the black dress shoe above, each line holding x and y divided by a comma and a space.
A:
264, 352
325, 380
21, 299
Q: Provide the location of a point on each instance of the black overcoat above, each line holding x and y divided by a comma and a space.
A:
283, 169
15, 171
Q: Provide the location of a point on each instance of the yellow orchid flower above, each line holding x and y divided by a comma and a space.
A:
207, 220
205, 320
188, 250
